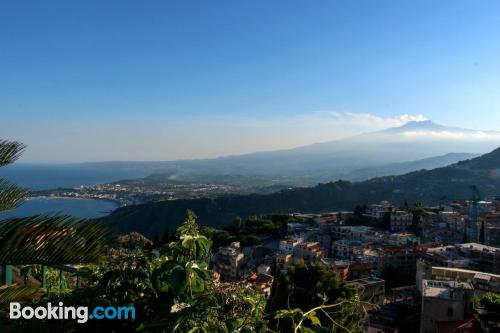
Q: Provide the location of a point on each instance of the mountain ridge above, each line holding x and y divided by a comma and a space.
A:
321, 162
430, 186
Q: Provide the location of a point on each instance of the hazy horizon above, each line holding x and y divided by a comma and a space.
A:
477, 135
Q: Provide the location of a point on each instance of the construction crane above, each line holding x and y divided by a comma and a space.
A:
473, 214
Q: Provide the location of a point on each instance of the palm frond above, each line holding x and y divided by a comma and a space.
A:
51, 240
14, 293
10, 195
10, 151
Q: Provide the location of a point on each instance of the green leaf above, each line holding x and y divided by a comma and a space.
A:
314, 319
234, 324
51, 240
10, 151
14, 293
287, 313
10, 195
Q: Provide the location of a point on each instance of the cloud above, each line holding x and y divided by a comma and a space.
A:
453, 135
367, 120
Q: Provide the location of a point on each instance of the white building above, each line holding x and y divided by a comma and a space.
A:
288, 245
401, 220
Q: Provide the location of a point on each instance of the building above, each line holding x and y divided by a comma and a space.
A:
481, 281
347, 249
491, 223
471, 256
398, 259
438, 233
400, 220
309, 252
339, 266
288, 245
444, 301
486, 258
446, 256
283, 261
228, 262
262, 282
370, 289
403, 239
378, 211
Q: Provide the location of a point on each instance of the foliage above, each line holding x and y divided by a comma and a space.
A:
52, 277
41, 239
488, 310
133, 240
50, 240
312, 317
395, 277
174, 292
224, 309
311, 286
10, 194
491, 302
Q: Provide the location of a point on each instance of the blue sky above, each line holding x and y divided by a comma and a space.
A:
149, 80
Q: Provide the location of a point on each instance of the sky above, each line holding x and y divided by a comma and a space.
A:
159, 80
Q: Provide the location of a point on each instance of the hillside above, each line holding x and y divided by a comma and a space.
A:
395, 169
429, 186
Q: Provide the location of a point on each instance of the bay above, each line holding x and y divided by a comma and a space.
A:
78, 207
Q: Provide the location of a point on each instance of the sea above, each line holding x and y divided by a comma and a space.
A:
45, 176
78, 207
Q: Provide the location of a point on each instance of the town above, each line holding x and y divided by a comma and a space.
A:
431, 261
133, 192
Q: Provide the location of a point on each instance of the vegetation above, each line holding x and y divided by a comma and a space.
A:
333, 307
488, 309
40, 240
247, 231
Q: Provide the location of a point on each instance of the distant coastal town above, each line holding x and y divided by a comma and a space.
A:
130, 193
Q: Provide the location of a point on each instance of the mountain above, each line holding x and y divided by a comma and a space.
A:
395, 169
430, 186
322, 162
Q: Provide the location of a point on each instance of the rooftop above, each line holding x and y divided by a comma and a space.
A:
367, 281
478, 247
450, 290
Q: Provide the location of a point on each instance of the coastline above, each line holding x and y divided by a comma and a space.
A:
48, 197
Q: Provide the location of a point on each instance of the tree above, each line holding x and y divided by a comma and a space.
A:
489, 314
308, 286
481, 234
168, 236
237, 223
359, 211
395, 277
41, 239
386, 220
156, 241
491, 302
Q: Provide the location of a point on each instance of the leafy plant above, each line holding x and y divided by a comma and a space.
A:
41, 239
